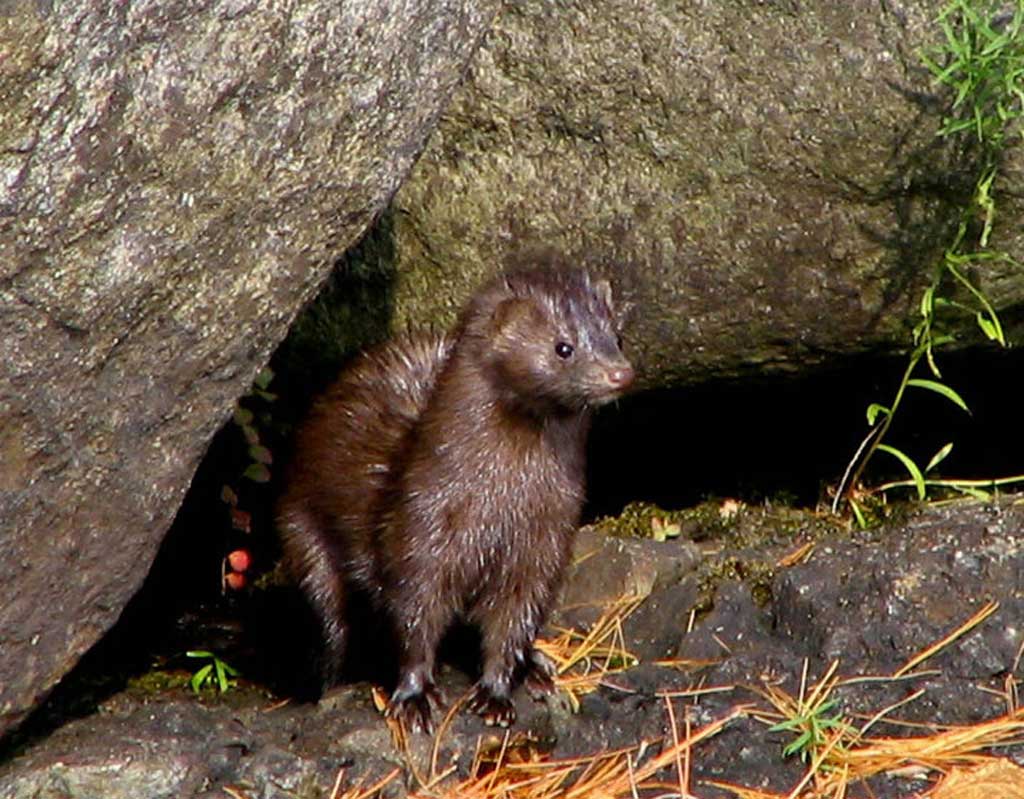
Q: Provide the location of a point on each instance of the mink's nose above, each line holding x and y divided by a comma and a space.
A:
620, 377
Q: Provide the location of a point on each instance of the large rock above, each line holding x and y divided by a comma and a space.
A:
175, 179
763, 180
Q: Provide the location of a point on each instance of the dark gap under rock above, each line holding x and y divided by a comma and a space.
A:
788, 438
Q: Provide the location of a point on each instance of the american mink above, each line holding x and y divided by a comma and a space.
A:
442, 476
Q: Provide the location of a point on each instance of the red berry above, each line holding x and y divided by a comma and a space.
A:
240, 560
235, 580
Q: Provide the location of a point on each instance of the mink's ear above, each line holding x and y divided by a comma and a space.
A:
513, 312
620, 311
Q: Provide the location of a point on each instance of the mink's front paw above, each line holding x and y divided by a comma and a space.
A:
412, 704
495, 709
539, 677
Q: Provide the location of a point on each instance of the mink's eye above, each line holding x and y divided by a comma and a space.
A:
563, 350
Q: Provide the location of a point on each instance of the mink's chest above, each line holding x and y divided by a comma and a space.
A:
509, 467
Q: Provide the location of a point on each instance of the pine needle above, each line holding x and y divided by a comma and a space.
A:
617, 774
583, 660
963, 629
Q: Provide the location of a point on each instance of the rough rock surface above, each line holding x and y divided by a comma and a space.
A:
763, 180
176, 178
872, 600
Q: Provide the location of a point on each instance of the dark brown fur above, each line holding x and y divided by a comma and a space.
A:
443, 476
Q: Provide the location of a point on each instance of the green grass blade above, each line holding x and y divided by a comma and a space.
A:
200, 677
222, 677
909, 465
928, 302
976, 493
990, 329
786, 725
988, 319
940, 388
874, 409
939, 457
858, 514
799, 745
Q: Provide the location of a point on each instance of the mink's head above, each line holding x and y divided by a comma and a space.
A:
548, 340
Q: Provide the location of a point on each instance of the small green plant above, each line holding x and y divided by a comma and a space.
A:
216, 673
664, 529
814, 729
821, 738
982, 61
260, 457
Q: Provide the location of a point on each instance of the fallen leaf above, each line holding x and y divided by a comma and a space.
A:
999, 778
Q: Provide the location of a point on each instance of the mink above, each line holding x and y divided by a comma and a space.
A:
442, 476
